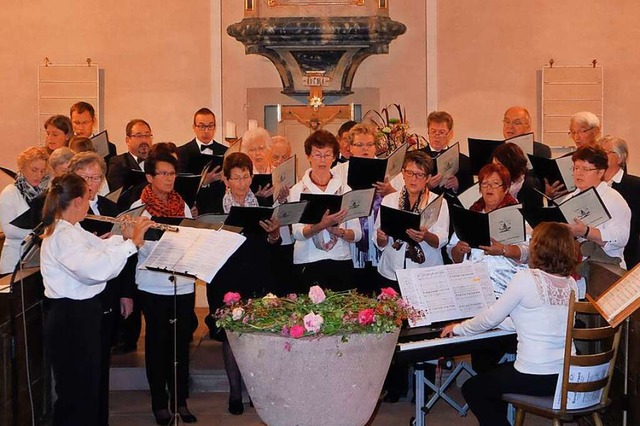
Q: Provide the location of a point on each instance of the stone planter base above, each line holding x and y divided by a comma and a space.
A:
313, 381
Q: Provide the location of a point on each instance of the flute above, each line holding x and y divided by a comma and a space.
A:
121, 220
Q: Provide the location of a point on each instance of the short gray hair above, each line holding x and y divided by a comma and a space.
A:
585, 117
258, 133
86, 158
60, 156
618, 146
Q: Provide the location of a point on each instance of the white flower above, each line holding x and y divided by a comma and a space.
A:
237, 314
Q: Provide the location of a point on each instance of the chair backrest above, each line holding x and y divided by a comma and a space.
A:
602, 347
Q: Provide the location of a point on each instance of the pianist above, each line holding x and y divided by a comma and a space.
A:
535, 306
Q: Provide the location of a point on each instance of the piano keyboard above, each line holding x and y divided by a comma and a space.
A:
439, 341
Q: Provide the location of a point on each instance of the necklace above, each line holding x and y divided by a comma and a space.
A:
318, 183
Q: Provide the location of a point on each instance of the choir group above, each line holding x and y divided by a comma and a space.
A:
93, 286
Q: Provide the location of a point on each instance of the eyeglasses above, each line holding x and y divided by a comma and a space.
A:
91, 178
239, 178
141, 135
205, 126
492, 185
418, 175
364, 145
321, 156
434, 132
578, 132
583, 169
166, 174
514, 123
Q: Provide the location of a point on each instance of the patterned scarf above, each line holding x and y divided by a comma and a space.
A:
173, 207
363, 244
479, 205
228, 201
413, 251
28, 191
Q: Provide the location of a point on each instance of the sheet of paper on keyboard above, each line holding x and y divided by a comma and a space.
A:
447, 292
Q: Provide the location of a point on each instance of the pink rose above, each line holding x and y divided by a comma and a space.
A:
313, 322
388, 293
231, 298
366, 316
296, 331
316, 294
292, 296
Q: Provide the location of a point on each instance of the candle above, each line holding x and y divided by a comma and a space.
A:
230, 129
253, 124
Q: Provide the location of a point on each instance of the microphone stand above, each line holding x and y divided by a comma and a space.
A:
174, 279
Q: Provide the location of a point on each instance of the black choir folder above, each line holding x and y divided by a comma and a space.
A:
364, 172
447, 163
248, 218
101, 143
31, 217
357, 202
505, 225
283, 175
554, 170
586, 206
395, 222
480, 150
260, 181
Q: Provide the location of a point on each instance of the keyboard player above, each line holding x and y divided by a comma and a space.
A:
535, 305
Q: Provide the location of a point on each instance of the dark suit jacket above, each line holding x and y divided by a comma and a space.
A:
541, 150
528, 196
119, 167
209, 199
629, 188
465, 178
112, 153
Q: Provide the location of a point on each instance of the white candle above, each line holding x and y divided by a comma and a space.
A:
230, 129
253, 124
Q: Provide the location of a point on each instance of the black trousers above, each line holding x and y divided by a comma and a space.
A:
72, 340
107, 337
129, 328
483, 392
158, 315
336, 275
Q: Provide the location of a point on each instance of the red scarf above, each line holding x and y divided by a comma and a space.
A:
173, 207
479, 205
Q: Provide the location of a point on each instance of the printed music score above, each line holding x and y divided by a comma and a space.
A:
621, 299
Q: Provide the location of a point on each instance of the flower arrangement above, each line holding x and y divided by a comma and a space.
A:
317, 313
393, 132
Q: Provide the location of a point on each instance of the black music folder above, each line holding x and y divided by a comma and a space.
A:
364, 172
134, 178
480, 150
358, 203
505, 225
554, 170
206, 162
395, 222
248, 218
9, 172
33, 216
96, 227
187, 185
101, 143
260, 180
447, 163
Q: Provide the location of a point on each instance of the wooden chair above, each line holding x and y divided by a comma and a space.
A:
602, 347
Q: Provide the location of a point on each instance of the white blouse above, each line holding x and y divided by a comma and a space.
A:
12, 205
76, 264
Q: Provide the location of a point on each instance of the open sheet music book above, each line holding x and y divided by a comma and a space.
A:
284, 175
101, 143
505, 225
9, 172
182, 252
364, 172
469, 196
480, 150
248, 218
621, 299
235, 147
586, 206
448, 292
395, 222
554, 170
447, 163
358, 203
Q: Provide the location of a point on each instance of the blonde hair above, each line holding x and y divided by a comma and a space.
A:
30, 155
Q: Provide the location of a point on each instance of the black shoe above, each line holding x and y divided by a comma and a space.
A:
186, 415
236, 407
123, 349
163, 417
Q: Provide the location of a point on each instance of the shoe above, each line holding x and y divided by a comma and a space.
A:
124, 349
186, 416
163, 417
236, 407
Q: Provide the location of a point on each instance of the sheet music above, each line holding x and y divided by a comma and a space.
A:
358, 203
621, 295
290, 213
394, 162
447, 292
470, 196
183, 251
284, 175
565, 166
586, 206
525, 142
448, 162
579, 374
506, 225
101, 143
430, 214
233, 148
114, 195
133, 213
